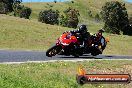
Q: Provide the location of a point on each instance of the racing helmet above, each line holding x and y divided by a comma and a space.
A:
83, 29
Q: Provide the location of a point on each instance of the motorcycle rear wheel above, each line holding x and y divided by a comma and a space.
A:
76, 55
94, 54
53, 50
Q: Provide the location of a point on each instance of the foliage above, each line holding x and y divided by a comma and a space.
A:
14, 5
72, 1
49, 16
63, 20
25, 12
6, 5
21, 11
17, 8
3, 8
55, 1
128, 30
70, 19
115, 16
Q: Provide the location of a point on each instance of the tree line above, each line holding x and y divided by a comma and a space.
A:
7, 6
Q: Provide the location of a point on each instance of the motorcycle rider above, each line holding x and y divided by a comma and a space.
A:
100, 40
83, 35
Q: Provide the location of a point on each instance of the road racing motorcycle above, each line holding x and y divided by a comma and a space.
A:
68, 44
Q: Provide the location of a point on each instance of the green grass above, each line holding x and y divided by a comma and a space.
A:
119, 45
19, 33
59, 74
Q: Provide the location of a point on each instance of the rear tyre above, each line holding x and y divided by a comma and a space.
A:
95, 51
94, 54
76, 55
53, 51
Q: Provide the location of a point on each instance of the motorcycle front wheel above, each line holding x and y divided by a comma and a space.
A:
53, 50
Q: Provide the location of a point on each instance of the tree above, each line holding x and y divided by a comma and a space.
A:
49, 16
17, 8
71, 17
55, 1
25, 12
63, 20
6, 5
21, 10
3, 8
115, 16
128, 30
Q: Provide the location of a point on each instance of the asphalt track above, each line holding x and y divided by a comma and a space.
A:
8, 56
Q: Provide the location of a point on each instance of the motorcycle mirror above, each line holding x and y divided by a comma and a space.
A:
107, 39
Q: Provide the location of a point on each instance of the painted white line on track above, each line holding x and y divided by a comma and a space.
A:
75, 60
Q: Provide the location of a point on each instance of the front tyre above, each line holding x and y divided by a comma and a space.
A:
53, 50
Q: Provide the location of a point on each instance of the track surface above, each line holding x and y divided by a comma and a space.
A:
25, 56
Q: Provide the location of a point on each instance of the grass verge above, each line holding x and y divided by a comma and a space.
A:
59, 74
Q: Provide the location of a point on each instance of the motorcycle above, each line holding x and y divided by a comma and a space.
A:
68, 44
96, 47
